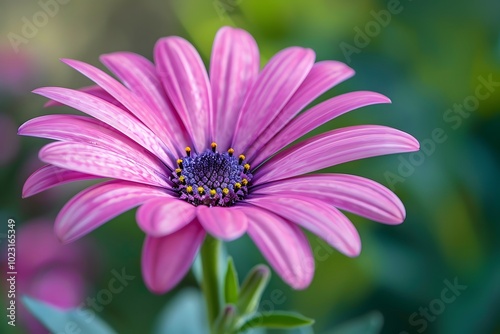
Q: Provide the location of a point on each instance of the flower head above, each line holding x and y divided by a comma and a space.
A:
212, 178
207, 153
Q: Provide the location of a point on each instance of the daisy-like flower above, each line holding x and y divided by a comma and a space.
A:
207, 153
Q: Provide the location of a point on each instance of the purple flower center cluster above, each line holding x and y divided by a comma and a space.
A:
212, 178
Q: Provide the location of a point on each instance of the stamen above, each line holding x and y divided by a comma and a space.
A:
211, 178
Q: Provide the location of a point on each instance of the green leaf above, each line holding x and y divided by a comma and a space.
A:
74, 320
276, 319
252, 288
231, 284
370, 323
185, 313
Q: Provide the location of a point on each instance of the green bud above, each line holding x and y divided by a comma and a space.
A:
225, 322
252, 289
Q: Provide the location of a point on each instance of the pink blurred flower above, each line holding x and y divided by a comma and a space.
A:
17, 71
171, 137
49, 271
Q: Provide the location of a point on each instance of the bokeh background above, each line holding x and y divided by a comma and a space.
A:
429, 57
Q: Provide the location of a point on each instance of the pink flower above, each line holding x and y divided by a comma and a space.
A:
206, 153
18, 71
48, 271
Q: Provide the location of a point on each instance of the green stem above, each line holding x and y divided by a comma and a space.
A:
210, 254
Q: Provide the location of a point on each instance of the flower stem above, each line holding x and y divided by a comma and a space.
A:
210, 255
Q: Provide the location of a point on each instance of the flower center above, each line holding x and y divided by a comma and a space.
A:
212, 178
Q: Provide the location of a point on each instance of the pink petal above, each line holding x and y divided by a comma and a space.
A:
333, 148
355, 194
283, 245
233, 69
163, 216
118, 118
323, 76
185, 80
274, 87
140, 76
97, 161
90, 131
50, 176
166, 260
317, 216
223, 223
98, 204
316, 116
128, 98
94, 90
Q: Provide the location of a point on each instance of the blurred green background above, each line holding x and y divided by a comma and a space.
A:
430, 57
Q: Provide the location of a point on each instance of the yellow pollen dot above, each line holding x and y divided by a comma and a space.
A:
179, 162
178, 171
231, 152
201, 190
188, 151
212, 192
237, 185
189, 189
182, 178
214, 146
225, 191
247, 167
244, 181
241, 157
